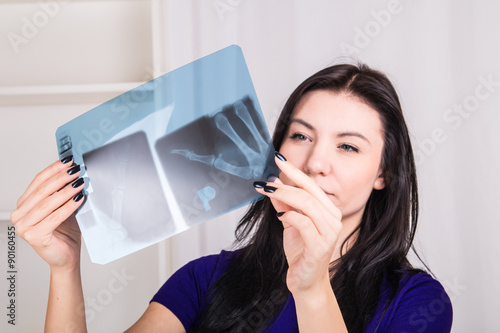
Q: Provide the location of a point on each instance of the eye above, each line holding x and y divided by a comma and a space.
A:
348, 148
298, 137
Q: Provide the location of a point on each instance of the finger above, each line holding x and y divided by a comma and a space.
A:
317, 245
45, 189
305, 182
50, 204
300, 222
41, 233
300, 200
278, 205
47, 173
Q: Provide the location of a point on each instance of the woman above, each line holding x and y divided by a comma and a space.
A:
325, 251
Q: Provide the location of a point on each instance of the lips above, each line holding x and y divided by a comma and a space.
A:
327, 192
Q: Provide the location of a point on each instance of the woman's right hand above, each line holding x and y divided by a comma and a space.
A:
44, 215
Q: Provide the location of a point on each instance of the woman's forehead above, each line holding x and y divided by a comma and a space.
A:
326, 110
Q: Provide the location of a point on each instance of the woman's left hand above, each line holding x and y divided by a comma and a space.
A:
312, 224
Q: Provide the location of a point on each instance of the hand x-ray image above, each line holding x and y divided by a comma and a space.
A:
221, 156
170, 154
127, 194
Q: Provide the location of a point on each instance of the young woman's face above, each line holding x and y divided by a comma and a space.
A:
337, 140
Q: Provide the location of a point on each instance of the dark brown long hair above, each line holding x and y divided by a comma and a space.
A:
249, 295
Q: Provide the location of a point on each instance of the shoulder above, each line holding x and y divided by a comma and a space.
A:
200, 273
207, 268
213, 260
185, 292
422, 284
421, 304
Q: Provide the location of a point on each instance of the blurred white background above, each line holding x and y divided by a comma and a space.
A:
59, 59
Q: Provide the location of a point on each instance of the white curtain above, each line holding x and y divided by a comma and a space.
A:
444, 59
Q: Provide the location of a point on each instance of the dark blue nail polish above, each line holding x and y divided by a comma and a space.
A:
66, 159
74, 170
269, 189
259, 184
79, 182
78, 197
280, 214
281, 157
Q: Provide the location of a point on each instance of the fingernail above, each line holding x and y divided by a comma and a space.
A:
281, 157
66, 159
269, 189
79, 182
259, 184
78, 197
74, 170
280, 214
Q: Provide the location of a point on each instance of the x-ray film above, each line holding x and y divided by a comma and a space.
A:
170, 154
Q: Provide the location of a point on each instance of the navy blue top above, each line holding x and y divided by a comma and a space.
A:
420, 305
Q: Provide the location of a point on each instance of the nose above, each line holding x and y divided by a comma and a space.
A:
319, 160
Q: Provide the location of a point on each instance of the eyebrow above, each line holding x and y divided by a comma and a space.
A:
339, 135
300, 121
356, 134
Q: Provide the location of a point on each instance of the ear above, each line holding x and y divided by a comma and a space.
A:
379, 182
